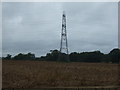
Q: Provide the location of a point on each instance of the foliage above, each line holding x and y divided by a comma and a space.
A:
21, 56
95, 56
115, 55
8, 57
55, 55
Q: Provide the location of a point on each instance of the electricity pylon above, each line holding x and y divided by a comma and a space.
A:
63, 55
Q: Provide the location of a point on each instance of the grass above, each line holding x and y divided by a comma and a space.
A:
36, 74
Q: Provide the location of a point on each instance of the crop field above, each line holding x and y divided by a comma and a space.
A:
37, 74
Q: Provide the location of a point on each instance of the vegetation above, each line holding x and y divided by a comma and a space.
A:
37, 74
20, 56
95, 56
28, 71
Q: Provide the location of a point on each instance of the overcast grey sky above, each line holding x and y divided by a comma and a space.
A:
36, 27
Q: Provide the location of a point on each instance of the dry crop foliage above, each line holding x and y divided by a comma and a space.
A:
36, 74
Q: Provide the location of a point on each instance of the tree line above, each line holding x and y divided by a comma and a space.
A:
95, 56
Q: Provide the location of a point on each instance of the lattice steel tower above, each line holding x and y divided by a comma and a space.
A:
64, 55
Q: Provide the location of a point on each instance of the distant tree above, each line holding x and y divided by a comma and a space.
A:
115, 55
48, 57
63, 57
74, 56
8, 57
106, 58
95, 56
53, 56
21, 56
42, 58
30, 56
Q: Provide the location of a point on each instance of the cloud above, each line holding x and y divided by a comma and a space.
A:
36, 27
